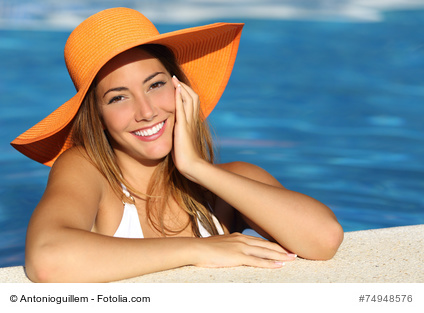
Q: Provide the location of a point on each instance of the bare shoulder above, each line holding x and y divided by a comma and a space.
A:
74, 175
75, 166
73, 157
251, 171
76, 187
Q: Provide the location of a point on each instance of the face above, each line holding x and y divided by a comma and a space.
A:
137, 102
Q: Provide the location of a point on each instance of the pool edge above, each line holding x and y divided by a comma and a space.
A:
391, 255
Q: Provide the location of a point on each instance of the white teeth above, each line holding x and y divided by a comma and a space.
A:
150, 131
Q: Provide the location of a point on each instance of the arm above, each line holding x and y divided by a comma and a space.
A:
60, 246
297, 222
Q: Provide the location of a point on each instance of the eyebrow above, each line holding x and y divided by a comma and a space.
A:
152, 76
126, 89
115, 89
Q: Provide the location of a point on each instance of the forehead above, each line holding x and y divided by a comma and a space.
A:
126, 58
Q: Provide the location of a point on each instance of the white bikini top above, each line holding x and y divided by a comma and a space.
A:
130, 224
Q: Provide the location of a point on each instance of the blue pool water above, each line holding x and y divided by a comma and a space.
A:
331, 104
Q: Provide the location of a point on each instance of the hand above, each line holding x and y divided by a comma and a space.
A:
237, 249
185, 133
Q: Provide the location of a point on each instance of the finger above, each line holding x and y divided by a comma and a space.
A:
262, 263
261, 248
268, 254
190, 91
264, 249
186, 98
260, 242
194, 97
268, 244
188, 103
179, 107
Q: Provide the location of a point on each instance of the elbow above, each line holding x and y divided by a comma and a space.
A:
330, 242
36, 273
324, 243
40, 265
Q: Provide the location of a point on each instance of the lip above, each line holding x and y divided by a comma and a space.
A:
151, 137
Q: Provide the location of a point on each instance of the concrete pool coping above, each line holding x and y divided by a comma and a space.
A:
387, 255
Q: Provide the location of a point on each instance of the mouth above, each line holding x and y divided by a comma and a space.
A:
150, 131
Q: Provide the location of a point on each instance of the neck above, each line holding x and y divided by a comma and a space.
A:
137, 173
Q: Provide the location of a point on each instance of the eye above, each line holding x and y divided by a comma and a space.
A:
156, 85
115, 99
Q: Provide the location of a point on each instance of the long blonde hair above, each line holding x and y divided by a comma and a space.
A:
166, 182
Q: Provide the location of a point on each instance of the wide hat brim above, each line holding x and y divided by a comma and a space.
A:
205, 53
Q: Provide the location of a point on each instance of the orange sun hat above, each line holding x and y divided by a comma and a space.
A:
205, 53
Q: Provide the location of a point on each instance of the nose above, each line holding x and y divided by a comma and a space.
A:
144, 110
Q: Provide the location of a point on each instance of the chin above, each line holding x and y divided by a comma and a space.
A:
157, 155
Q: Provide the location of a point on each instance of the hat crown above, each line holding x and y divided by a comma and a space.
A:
102, 36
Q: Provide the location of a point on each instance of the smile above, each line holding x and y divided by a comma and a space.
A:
150, 131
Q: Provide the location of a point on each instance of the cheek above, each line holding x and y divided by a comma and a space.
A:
166, 100
115, 118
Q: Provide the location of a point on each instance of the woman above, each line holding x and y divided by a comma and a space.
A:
133, 188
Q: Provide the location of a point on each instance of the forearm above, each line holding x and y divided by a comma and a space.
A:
296, 221
81, 256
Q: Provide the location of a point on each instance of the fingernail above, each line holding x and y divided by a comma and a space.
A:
279, 263
292, 255
175, 77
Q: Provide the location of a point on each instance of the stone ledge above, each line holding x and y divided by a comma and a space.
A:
388, 255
